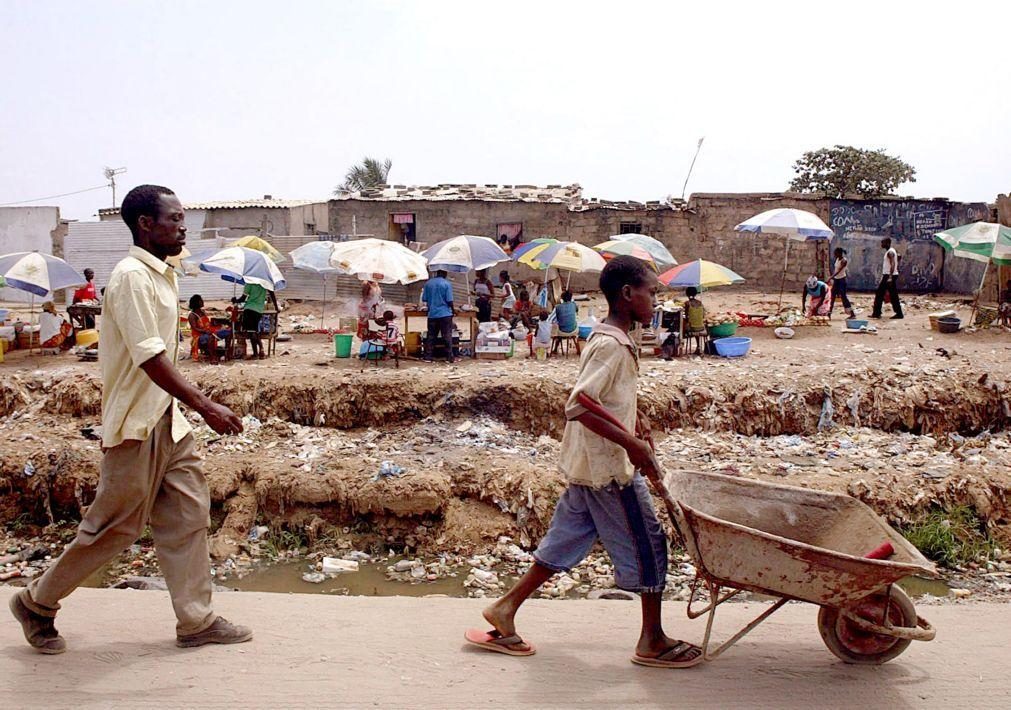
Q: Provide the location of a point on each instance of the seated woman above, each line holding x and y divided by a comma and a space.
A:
54, 331
524, 309
565, 320
204, 338
821, 298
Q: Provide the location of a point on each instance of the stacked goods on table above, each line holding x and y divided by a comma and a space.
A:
494, 342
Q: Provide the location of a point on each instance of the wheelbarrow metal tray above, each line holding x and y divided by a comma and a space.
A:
787, 541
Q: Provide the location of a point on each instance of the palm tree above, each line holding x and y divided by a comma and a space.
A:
369, 173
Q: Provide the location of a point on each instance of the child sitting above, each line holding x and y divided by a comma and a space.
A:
542, 340
607, 496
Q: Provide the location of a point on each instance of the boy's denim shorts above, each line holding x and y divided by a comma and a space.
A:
625, 521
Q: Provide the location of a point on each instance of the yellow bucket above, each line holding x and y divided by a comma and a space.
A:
86, 338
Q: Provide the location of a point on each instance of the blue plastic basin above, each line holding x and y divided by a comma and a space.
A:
732, 347
584, 331
855, 324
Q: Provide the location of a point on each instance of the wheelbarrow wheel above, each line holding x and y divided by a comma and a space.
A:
855, 645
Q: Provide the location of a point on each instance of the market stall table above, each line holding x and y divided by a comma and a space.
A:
79, 313
470, 316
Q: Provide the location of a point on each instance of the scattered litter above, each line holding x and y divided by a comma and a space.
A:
314, 577
388, 469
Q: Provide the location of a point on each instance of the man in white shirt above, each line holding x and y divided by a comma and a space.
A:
889, 282
151, 471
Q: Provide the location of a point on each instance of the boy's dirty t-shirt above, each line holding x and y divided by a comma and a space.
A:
608, 373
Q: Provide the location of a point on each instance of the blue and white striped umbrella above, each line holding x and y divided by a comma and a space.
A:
242, 266
38, 273
794, 224
464, 253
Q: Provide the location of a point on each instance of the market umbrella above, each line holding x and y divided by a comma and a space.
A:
564, 256
379, 260
700, 274
38, 274
315, 257
463, 254
241, 265
613, 248
260, 244
795, 225
979, 241
661, 255
538, 244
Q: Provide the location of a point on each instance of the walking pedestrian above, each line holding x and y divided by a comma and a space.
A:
889, 282
840, 272
151, 472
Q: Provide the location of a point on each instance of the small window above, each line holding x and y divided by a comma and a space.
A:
630, 228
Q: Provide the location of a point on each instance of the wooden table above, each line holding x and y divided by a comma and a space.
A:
79, 313
470, 316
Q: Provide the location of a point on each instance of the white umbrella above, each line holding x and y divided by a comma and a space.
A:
379, 260
464, 254
315, 257
38, 274
795, 225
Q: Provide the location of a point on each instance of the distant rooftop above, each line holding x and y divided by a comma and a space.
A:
569, 195
266, 202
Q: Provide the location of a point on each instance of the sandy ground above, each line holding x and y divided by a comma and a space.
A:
316, 651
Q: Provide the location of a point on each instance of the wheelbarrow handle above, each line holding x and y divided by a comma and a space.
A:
595, 407
923, 631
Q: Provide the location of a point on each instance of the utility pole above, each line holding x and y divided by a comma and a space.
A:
697, 149
110, 175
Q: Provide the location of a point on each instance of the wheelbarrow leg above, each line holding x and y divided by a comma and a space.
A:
714, 590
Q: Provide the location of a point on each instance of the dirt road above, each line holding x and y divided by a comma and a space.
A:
313, 651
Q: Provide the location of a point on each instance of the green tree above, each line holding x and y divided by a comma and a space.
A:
368, 173
845, 170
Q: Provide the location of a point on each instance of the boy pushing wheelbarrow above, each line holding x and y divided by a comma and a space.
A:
607, 496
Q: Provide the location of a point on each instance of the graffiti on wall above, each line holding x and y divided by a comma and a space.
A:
860, 225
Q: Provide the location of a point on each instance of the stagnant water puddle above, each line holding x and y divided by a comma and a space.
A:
370, 581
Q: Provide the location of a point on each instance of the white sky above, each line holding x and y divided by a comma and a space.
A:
222, 100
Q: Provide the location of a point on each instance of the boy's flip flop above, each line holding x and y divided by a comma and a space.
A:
668, 659
494, 641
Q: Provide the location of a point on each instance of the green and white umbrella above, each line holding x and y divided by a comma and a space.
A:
980, 241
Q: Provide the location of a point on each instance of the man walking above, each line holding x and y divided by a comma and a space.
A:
889, 282
438, 294
150, 471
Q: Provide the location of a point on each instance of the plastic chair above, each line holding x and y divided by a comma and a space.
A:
382, 340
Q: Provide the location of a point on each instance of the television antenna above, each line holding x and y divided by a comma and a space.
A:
110, 175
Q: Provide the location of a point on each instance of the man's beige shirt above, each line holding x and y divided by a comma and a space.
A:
140, 319
608, 373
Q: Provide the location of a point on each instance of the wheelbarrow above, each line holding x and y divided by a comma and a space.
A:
798, 545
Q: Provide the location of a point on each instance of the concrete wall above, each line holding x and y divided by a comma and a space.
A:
29, 229
702, 228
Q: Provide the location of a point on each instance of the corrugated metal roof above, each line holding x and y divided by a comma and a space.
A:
234, 205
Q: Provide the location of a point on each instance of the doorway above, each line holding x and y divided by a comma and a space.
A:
403, 228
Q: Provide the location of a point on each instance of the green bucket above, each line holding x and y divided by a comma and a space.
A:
723, 330
342, 344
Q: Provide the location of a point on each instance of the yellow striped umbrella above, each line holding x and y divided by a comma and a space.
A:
251, 241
